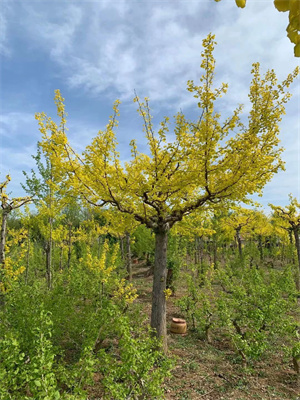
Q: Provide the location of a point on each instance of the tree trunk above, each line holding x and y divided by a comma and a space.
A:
196, 250
69, 246
61, 259
122, 248
128, 257
158, 313
36, 250
27, 258
200, 269
49, 242
215, 252
170, 279
239, 241
148, 259
201, 250
2, 250
290, 232
297, 242
48, 251
260, 248
3, 237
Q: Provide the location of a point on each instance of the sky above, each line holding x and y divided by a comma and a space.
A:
98, 51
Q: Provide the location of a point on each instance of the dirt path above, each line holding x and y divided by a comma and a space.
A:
213, 372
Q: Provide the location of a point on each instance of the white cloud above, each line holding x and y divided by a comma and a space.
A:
109, 48
154, 47
18, 138
118, 46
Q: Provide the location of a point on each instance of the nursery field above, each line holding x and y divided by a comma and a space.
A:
87, 337
101, 254
215, 371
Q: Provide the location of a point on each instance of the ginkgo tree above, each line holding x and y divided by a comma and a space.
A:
49, 203
122, 226
8, 204
195, 226
290, 217
261, 229
239, 219
209, 161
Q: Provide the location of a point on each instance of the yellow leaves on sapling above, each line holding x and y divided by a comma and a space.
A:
125, 292
168, 293
13, 265
104, 266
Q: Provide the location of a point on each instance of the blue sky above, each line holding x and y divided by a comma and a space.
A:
97, 51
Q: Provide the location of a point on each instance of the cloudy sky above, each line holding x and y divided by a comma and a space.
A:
101, 50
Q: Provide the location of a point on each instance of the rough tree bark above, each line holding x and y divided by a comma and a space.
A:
297, 242
158, 314
48, 251
290, 232
3, 237
215, 252
239, 241
197, 250
27, 258
69, 246
122, 247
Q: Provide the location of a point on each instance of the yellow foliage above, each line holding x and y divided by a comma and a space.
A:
297, 48
207, 163
289, 215
125, 291
103, 266
241, 3
168, 293
12, 266
262, 224
241, 219
8, 204
282, 5
117, 224
197, 224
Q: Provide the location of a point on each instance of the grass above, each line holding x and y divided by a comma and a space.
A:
214, 371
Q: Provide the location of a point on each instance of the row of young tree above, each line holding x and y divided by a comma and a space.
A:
238, 269
209, 163
64, 228
92, 213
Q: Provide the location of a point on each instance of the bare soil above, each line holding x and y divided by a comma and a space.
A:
214, 371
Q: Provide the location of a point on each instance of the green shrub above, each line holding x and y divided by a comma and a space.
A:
198, 305
136, 368
254, 308
37, 370
51, 340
